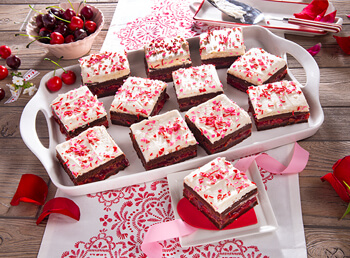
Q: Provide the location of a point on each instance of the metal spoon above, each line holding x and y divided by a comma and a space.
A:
239, 11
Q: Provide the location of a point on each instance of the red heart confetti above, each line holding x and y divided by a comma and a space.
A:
60, 205
192, 216
32, 189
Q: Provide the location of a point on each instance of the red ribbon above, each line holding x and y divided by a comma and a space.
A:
60, 205
32, 189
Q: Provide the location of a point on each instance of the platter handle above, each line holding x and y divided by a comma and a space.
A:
29, 134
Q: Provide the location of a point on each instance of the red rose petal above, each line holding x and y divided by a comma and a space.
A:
315, 49
312, 10
32, 189
348, 16
344, 43
192, 216
330, 18
337, 186
60, 205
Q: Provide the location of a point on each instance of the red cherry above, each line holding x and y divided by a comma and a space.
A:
13, 62
69, 39
56, 38
68, 77
3, 72
2, 94
76, 23
87, 12
90, 26
54, 84
5, 51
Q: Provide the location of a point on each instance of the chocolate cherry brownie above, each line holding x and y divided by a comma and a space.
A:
163, 140
256, 67
77, 110
277, 104
221, 47
220, 191
91, 156
219, 124
195, 85
137, 99
165, 55
104, 72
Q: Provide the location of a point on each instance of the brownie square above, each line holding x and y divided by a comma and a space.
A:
195, 85
221, 47
256, 67
278, 104
137, 99
104, 72
163, 140
165, 55
220, 191
77, 110
91, 156
219, 124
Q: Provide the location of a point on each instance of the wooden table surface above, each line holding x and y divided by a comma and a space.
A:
326, 235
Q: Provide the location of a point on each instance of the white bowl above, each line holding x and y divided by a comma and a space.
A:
74, 49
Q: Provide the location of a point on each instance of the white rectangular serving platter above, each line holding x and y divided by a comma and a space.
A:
255, 36
266, 218
274, 11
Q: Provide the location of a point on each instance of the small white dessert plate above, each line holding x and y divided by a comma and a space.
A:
266, 218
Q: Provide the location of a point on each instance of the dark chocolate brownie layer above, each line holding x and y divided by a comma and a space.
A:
129, 119
279, 120
165, 160
243, 85
223, 62
221, 220
107, 88
223, 144
187, 103
163, 74
102, 172
77, 131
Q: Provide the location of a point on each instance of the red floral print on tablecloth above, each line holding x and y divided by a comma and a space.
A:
126, 220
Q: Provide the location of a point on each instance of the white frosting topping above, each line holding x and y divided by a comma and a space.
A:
218, 117
194, 81
77, 107
104, 66
219, 183
138, 96
221, 43
89, 150
277, 98
167, 52
231, 9
162, 134
256, 66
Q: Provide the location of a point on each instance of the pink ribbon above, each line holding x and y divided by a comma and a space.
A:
296, 165
163, 231
179, 228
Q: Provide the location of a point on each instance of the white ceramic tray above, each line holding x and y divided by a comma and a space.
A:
207, 13
255, 36
266, 218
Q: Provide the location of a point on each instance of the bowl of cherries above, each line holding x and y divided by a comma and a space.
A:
67, 30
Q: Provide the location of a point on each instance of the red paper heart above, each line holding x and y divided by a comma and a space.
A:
32, 189
192, 216
60, 205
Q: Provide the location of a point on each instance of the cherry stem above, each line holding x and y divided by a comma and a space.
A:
31, 7
37, 38
71, 5
56, 63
